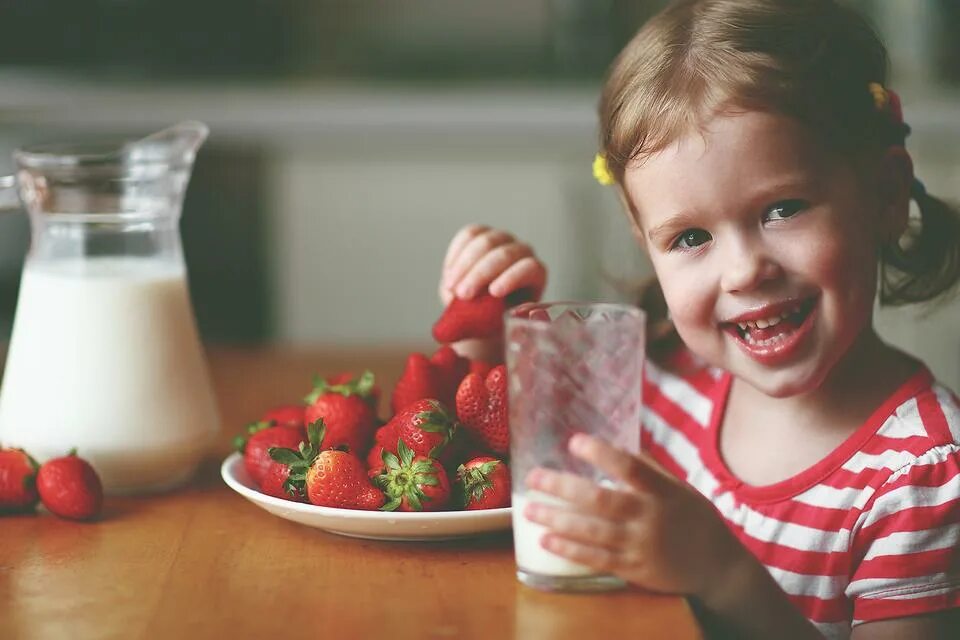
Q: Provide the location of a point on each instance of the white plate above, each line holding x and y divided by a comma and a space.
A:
376, 525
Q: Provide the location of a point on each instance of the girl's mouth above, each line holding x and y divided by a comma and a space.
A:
775, 339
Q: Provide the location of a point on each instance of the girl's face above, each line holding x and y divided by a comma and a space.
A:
765, 246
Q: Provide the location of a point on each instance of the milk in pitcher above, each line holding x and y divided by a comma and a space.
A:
105, 354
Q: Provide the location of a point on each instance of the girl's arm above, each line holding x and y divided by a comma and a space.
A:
660, 534
749, 603
943, 625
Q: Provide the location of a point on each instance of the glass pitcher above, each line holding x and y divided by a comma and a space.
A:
104, 354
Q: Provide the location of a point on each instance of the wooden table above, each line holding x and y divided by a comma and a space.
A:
204, 563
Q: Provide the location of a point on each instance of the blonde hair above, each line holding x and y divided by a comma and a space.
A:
812, 60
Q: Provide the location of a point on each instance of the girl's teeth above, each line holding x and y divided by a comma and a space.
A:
760, 324
765, 323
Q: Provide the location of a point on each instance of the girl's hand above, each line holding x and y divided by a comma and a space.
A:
480, 258
657, 532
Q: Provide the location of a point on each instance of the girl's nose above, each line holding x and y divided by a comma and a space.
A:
747, 267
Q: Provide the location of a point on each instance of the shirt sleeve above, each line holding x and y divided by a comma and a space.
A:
906, 545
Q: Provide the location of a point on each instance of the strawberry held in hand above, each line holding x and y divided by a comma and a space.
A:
329, 478
425, 427
346, 411
70, 488
482, 409
483, 483
259, 437
413, 482
478, 317
18, 487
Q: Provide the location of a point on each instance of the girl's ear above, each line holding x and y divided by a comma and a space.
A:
895, 179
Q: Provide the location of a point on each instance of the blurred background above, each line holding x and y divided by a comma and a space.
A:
351, 139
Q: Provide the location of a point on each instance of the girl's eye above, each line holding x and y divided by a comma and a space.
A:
785, 209
691, 238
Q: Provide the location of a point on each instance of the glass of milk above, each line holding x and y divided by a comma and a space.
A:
104, 354
571, 368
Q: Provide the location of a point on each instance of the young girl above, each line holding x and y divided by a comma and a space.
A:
761, 161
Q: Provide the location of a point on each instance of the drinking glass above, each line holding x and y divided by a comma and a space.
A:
571, 368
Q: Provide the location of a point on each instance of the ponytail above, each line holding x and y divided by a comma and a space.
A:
928, 266
661, 335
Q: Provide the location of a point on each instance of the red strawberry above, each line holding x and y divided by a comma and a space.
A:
375, 461
387, 436
433, 378
451, 368
347, 377
274, 481
290, 415
346, 412
483, 483
259, 437
479, 317
18, 476
425, 427
413, 483
480, 367
329, 478
482, 409
70, 488
420, 380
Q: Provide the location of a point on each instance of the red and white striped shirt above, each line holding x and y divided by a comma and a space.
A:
870, 532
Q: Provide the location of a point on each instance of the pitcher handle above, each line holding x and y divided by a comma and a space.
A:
9, 194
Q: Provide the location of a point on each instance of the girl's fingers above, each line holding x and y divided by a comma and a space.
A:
602, 559
460, 240
637, 472
586, 495
472, 252
526, 273
577, 526
489, 266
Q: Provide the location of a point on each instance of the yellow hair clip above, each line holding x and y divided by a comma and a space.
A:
880, 96
600, 170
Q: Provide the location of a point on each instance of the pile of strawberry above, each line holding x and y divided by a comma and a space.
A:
444, 447
68, 486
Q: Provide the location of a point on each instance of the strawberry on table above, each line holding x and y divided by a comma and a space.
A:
18, 487
375, 460
274, 481
451, 368
413, 482
346, 411
483, 483
420, 380
346, 377
479, 367
433, 378
482, 409
70, 488
259, 437
290, 415
425, 427
328, 477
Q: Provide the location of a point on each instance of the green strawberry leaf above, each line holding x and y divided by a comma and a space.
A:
390, 460
413, 499
285, 456
406, 455
392, 504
